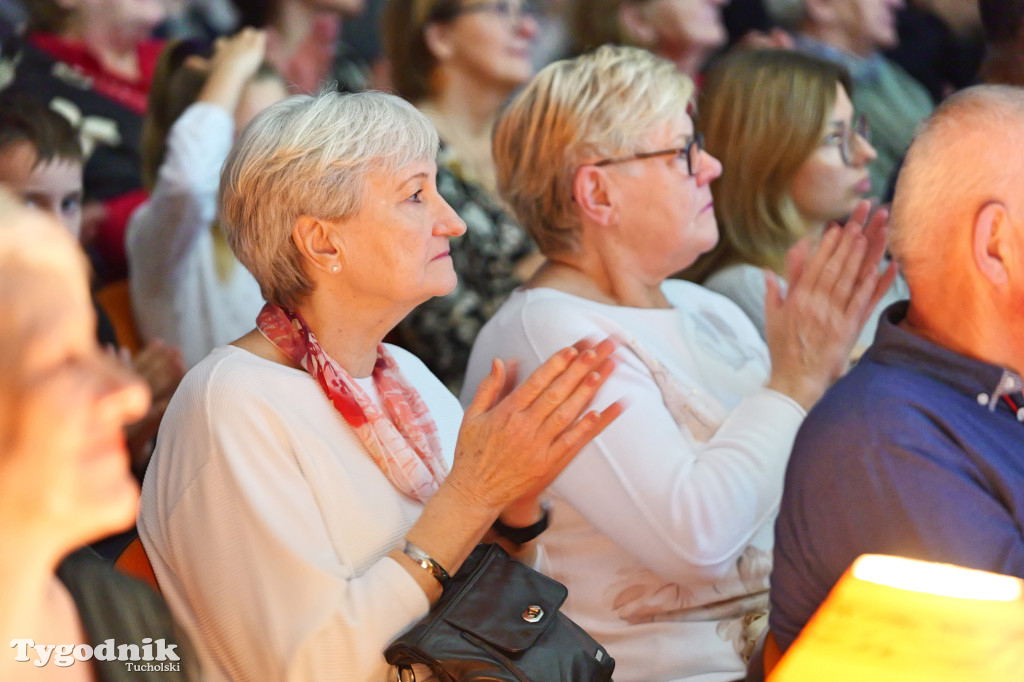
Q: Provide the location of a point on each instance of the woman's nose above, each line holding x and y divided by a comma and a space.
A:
864, 153
710, 168
448, 223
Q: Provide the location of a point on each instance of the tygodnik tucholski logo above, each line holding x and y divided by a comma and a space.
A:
148, 656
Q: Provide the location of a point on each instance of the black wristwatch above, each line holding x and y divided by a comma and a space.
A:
521, 536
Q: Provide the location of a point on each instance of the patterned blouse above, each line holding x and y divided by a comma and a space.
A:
442, 330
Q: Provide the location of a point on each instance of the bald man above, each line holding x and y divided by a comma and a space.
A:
919, 450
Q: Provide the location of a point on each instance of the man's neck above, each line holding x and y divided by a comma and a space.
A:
975, 334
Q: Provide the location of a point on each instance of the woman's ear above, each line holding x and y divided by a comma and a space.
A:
634, 24
592, 195
317, 241
437, 37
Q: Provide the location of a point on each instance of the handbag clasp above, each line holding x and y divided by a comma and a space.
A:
533, 613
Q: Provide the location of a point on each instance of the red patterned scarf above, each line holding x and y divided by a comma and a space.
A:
404, 442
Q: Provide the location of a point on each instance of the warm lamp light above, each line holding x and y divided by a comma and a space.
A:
890, 619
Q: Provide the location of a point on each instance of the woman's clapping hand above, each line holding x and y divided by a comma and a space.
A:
832, 290
513, 443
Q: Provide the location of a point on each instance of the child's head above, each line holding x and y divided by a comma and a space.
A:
41, 159
177, 83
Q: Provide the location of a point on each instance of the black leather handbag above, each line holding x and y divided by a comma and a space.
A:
498, 620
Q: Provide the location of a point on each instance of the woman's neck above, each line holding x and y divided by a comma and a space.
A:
593, 279
294, 21
464, 114
688, 61
117, 51
349, 334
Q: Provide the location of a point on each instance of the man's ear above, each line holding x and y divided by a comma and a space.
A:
634, 25
437, 38
592, 194
317, 241
992, 243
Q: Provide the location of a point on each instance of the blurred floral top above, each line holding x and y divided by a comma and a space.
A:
442, 330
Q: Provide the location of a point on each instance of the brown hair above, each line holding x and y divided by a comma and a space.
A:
48, 16
23, 118
762, 113
403, 24
593, 23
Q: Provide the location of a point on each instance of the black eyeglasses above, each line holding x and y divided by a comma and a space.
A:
513, 11
691, 152
844, 137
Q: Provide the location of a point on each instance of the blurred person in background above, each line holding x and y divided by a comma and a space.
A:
795, 157
65, 478
685, 32
941, 44
458, 61
92, 61
852, 33
304, 41
186, 286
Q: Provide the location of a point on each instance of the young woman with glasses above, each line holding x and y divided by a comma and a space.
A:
795, 157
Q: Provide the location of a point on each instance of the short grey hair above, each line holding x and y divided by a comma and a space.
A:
789, 14
309, 155
604, 103
970, 151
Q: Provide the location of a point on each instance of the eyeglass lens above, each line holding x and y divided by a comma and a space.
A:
693, 154
861, 129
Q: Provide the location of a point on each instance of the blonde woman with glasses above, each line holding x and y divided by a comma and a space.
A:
795, 157
662, 527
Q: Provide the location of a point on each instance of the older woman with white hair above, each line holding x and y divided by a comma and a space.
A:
663, 529
312, 486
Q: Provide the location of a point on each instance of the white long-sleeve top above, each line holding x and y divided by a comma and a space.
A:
268, 523
662, 533
177, 294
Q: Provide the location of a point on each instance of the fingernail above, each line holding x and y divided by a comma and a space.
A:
570, 354
589, 355
593, 379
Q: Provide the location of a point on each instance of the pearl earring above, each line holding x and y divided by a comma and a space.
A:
335, 269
